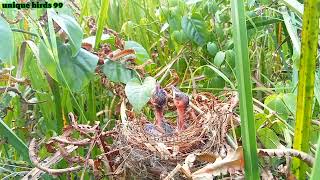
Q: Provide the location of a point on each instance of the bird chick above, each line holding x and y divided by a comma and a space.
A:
159, 101
181, 101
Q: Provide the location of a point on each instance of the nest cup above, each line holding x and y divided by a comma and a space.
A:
147, 156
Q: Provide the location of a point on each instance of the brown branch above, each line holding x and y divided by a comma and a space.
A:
34, 159
287, 152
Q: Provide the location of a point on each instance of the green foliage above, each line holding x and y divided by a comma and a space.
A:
79, 70
212, 48
305, 96
283, 104
117, 72
14, 140
195, 28
70, 26
141, 53
6, 45
269, 138
248, 132
190, 42
139, 94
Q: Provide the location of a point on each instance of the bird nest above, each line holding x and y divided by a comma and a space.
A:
149, 156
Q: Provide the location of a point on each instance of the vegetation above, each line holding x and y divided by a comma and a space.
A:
266, 50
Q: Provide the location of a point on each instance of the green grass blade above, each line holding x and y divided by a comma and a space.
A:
294, 5
315, 175
248, 133
14, 140
306, 83
291, 30
101, 21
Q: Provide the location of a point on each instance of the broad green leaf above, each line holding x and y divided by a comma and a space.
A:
212, 48
128, 28
218, 72
219, 58
276, 103
14, 140
71, 27
216, 82
91, 39
6, 44
230, 58
141, 53
195, 28
260, 119
117, 72
289, 100
47, 60
269, 138
78, 70
179, 36
139, 94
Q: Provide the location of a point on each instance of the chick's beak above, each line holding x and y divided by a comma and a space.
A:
174, 91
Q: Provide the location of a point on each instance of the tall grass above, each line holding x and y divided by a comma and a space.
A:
248, 132
306, 82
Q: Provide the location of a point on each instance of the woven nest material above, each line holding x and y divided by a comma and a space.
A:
148, 156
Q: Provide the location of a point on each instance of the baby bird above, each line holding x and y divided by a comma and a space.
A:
159, 101
181, 101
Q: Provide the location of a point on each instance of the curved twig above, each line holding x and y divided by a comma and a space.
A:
34, 160
287, 152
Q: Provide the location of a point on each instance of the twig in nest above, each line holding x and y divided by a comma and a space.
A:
63, 140
34, 160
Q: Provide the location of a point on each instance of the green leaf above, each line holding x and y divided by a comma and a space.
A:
195, 28
6, 45
212, 48
219, 58
191, 2
230, 58
141, 53
269, 139
71, 27
179, 36
47, 60
248, 133
260, 119
139, 94
289, 100
103, 13
78, 70
294, 5
104, 38
317, 87
117, 72
14, 140
276, 103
